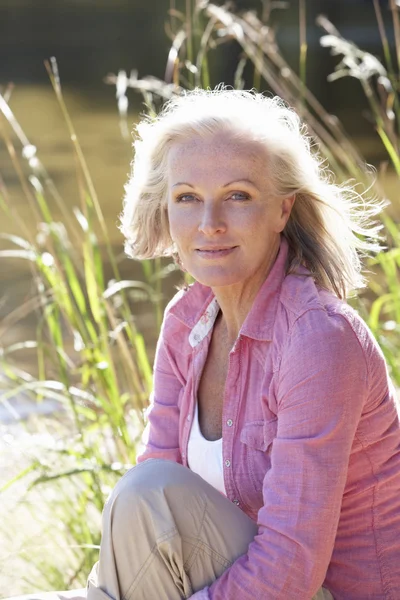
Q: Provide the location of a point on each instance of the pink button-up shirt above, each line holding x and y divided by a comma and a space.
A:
311, 433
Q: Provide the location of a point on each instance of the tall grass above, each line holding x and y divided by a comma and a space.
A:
91, 359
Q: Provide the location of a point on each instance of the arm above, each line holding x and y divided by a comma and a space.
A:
320, 391
162, 431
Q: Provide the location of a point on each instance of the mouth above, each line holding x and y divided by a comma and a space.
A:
216, 251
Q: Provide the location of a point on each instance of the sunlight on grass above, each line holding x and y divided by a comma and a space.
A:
92, 361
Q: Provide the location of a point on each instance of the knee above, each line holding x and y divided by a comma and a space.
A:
152, 496
135, 489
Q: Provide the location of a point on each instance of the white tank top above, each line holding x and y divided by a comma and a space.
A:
205, 456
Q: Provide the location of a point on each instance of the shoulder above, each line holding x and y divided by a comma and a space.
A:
322, 340
189, 303
314, 319
182, 313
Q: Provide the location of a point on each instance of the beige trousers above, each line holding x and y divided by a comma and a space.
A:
167, 534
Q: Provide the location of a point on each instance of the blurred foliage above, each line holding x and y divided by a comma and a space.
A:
91, 358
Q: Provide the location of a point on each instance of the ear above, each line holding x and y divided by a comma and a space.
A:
286, 205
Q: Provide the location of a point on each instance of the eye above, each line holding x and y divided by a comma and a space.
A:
185, 198
241, 196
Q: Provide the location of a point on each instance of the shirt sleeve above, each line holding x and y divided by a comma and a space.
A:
321, 387
161, 436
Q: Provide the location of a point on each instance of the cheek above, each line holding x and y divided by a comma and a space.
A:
252, 223
178, 225
172, 220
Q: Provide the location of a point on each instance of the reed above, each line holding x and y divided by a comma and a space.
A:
91, 359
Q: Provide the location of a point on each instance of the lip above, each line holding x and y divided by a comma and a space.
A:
214, 248
211, 252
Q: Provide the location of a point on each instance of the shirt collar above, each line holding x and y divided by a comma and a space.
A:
198, 307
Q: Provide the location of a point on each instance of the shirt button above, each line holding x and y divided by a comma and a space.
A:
227, 463
229, 422
236, 502
188, 417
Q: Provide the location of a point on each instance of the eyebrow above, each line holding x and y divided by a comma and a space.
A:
182, 183
224, 186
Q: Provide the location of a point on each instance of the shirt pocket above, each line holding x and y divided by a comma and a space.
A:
257, 438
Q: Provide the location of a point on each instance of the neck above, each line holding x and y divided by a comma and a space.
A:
236, 301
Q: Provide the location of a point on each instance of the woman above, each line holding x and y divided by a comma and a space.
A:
267, 385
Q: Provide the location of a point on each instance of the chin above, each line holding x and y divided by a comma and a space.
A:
216, 279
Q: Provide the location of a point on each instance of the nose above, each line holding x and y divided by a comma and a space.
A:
212, 220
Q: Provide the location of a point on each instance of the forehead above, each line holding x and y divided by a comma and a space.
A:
218, 156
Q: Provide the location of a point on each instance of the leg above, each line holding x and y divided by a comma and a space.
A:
160, 538
166, 534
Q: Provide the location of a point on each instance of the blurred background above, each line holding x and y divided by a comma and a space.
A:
93, 40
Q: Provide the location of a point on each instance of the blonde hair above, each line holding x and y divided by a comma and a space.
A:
330, 227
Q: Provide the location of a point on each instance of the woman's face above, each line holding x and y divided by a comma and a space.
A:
223, 218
